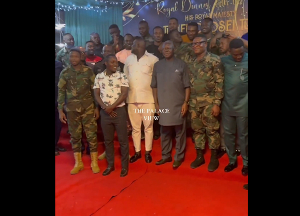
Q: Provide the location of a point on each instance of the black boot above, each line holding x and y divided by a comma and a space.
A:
199, 159
214, 162
221, 152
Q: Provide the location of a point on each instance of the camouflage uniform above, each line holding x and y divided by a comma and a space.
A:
183, 51
214, 50
63, 57
149, 40
77, 87
207, 78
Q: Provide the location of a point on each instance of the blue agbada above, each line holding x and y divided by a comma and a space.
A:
235, 101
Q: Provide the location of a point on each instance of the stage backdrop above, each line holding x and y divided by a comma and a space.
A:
228, 15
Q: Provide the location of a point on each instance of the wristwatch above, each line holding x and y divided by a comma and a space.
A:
103, 108
187, 102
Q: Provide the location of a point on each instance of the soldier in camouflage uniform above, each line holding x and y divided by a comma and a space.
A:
220, 42
184, 52
207, 78
76, 84
63, 54
206, 28
181, 48
144, 32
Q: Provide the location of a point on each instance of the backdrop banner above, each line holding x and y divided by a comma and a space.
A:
228, 15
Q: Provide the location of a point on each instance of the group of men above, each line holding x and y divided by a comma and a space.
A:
178, 81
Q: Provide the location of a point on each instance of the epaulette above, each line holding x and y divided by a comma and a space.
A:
86, 68
212, 55
66, 68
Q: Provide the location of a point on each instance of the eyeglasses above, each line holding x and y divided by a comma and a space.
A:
198, 43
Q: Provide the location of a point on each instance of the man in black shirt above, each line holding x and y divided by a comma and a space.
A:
158, 33
117, 39
98, 45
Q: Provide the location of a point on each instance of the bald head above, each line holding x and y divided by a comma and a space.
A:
95, 38
107, 50
68, 39
138, 46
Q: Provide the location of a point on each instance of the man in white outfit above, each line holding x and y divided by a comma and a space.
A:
138, 69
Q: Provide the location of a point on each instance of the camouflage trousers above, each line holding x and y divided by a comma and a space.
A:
83, 120
205, 124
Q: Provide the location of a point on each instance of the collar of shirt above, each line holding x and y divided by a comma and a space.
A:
93, 58
243, 59
145, 54
148, 36
82, 69
207, 55
113, 74
65, 50
224, 55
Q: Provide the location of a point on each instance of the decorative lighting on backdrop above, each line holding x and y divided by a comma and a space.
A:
74, 7
100, 8
59, 26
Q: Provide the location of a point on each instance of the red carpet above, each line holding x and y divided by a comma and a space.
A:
148, 189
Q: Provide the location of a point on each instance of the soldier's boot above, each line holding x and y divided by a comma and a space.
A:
199, 159
94, 162
214, 162
102, 156
78, 163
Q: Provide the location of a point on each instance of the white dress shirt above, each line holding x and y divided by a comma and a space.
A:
139, 74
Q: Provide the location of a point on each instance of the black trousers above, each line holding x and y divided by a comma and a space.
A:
156, 127
166, 141
109, 126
